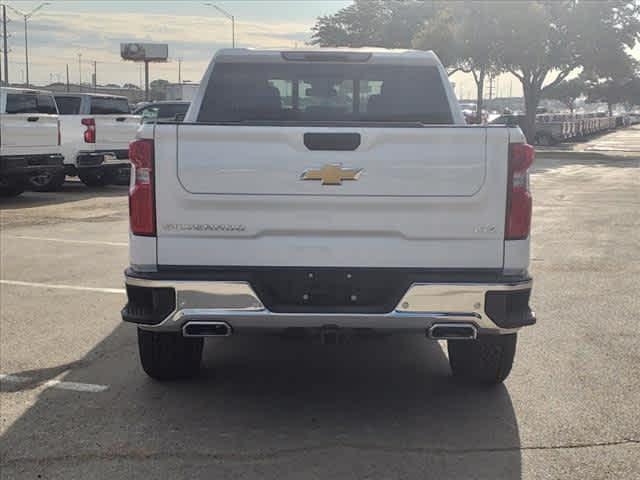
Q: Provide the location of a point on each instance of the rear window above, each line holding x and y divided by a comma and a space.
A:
163, 111
31, 103
68, 105
109, 106
325, 92
170, 110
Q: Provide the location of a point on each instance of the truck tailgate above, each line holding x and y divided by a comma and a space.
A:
28, 130
431, 197
270, 161
116, 131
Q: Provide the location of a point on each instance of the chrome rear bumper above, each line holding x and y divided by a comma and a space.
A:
423, 305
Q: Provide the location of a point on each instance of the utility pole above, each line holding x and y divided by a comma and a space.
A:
146, 80
179, 71
95, 76
491, 85
80, 69
26, 49
5, 47
26, 17
68, 77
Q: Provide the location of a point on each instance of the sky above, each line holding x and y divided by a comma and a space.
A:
63, 29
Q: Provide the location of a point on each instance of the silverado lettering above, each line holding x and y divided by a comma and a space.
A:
203, 228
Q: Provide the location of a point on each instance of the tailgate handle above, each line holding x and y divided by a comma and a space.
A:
121, 119
33, 119
332, 141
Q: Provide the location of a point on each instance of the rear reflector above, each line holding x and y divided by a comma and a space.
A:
142, 205
518, 222
90, 131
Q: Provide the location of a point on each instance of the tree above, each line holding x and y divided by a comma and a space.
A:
613, 92
463, 36
566, 92
613, 81
372, 23
544, 41
632, 97
131, 86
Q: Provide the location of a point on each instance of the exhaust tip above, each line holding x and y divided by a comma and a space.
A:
453, 331
206, 329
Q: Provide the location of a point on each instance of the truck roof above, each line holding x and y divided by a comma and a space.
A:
369, 55
31, 91
85, 94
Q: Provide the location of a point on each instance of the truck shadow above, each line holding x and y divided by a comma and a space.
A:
269, 408
71, 191
544, 165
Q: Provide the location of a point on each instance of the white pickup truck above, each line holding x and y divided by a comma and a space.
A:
29, 139
330, 192
96, 131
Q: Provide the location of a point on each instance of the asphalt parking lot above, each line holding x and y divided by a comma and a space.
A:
76, 404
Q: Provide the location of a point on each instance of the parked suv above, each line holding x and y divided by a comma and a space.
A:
329, 191
29, 140
96, 131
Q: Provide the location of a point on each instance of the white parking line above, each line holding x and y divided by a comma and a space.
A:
13, 378
65, 240
63, 287
75, 386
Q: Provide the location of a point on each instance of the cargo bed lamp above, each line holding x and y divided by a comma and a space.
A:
147, 53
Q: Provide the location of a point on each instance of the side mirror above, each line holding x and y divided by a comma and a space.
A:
179, 117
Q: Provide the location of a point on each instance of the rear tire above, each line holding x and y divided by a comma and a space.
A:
94, 179
10, 187
47, 182
14, 191
486, 360
168, 355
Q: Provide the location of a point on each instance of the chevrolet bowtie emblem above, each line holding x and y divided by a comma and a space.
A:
332, 174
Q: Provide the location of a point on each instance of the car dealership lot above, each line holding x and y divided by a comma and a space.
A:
76, 404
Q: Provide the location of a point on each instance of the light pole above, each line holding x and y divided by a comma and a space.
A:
230, 17
26, 17
5, 47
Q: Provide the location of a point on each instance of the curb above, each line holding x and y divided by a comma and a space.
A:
571, 154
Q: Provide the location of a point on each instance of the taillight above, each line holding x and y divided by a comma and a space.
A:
142, 207
90, 132
518, 222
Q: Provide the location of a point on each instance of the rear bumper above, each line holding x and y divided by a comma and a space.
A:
161, 304
15, 165
102, 158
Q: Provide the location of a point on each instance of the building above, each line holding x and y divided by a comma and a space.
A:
182, 91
